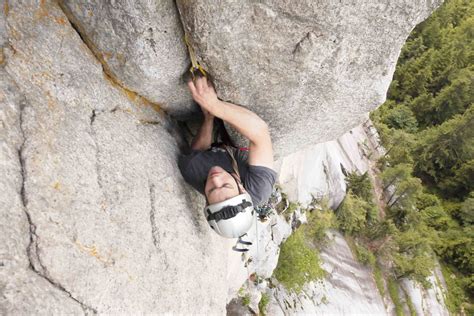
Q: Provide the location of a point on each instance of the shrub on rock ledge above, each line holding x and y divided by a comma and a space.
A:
299, 263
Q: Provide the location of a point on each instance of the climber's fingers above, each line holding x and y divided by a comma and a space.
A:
192, 87
201, 84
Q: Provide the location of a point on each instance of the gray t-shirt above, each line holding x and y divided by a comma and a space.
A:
257, 180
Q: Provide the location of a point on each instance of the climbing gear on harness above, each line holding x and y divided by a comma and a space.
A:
231, 218
264, 211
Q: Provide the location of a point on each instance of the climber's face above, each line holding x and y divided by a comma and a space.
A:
220, 185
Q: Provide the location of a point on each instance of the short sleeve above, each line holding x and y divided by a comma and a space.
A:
191, 170
259, 183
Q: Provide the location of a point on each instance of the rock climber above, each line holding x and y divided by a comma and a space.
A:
232, 180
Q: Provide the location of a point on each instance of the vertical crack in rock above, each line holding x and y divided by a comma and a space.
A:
154, 229
182, 23
93, 115
98, 56
97, 152
32, 250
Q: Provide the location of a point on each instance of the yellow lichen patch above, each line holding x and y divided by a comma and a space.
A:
6, 8
57, 185
40, 77
156, 107
93, 252
90, 13
120, 58
2, 57
106, 55
51, 100
13, 33
132, 96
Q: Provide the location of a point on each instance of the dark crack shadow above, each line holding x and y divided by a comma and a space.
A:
154, 225
154, 228
96, 147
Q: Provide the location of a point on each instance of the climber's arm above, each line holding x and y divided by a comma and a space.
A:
203, 138
245, 121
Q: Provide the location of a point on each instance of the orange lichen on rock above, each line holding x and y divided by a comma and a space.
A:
42, 11
132, 96
60, 20
156, 107
92, 251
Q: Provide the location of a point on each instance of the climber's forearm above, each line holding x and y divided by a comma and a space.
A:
203, 138
251, 126
244, 121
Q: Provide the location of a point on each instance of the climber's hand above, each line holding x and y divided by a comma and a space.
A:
204, 94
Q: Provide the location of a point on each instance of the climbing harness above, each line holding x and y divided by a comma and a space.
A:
264, 211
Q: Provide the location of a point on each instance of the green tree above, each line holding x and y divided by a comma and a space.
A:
360, 185
457, 247
401, 116
414, 259
443, 150
352, 213
466, 214
394, 175
434, 84
400, 147
436, 217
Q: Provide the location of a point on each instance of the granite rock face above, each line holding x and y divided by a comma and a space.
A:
141, 44
311, 69
22, 291
95, 216
320, 170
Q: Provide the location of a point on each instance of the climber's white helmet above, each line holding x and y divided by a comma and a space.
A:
231, 218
